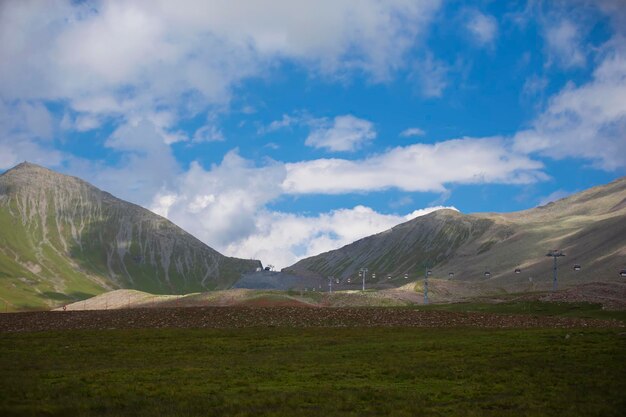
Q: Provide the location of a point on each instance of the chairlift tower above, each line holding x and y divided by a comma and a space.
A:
555, 253
426, 275
363, 273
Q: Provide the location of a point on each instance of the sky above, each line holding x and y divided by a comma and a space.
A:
280, 129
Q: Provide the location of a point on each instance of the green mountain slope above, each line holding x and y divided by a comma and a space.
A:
590, 227
62, 239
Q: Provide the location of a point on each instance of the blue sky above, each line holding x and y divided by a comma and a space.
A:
280, 129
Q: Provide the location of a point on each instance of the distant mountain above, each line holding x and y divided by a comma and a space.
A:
589, 227
63, 239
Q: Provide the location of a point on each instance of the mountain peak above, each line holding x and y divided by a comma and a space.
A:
67, 239
25, 165
28, 167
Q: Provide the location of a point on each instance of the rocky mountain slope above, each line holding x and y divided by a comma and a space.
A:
63, 239
590, 227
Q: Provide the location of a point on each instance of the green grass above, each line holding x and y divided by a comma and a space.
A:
314, 372
539, 308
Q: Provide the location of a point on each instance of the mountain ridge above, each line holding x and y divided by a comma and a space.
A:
589, 224
63, 238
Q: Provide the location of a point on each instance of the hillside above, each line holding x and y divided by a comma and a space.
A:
63, 239
590, 227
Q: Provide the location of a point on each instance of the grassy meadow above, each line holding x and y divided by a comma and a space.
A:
314, 372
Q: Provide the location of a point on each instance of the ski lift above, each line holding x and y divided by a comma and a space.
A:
429, 272
388, 276
406, 276
518, 271
348, 280
577, 267
337, 281
622, 273
487, 274
451, 275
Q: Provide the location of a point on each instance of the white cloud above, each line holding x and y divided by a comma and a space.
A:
227, 207
219, 206
285, 122
208, 133
418, 167
412, 131
14, 150
22, 118
401, 202
563, 40
534, 85
431, 76
137, 56
482, 27
556, 195
346, 133
587, 121
26, 132
145, 165
86, 122
282, 239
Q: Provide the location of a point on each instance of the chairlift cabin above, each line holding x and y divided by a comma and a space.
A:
518, 271
406, 276
429, 272
451, 274
487, 274
577, 267
622, 273
388, 276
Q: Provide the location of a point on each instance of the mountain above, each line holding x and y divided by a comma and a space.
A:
589, 227
63, 239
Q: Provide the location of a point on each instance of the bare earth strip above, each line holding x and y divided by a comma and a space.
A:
238, 317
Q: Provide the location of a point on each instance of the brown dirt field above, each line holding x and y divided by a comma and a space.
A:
272, 302
237, 317
611, 295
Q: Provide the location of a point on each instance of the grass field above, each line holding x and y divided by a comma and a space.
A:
314, 372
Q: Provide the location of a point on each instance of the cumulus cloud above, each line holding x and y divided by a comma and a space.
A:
418, 167
137, 56
431, 76
554, 196
26, 133
482, 27
563, 40
226, 206
283, 123
145, 163
219, 205
283, 238
345, 133
412, 131
534, 85
208, 133
586, 121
